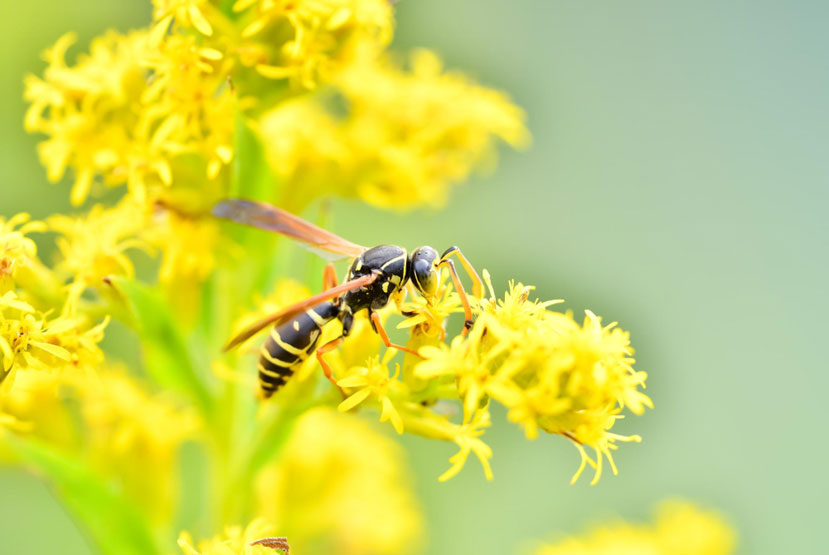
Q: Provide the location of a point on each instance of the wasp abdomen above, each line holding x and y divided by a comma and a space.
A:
289, 344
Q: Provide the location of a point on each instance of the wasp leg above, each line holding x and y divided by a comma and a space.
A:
326, 368
378, 327
467, 310
275, 543
329, 278
477, 283
411, 291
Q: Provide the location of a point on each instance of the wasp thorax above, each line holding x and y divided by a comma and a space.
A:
424, 270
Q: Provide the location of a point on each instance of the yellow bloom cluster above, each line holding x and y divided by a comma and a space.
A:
340, 487
235, 541
128, 111
110, 420
93, 247
16, 249
312, 34
156, 109
393, 138
550, 372
39, 326
680, 528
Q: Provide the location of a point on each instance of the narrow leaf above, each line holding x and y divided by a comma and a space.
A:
114, 524
166, 355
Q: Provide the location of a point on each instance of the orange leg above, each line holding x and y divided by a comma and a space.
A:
326, 368
477, 283
275, 543
329, 278
378, 327
467, 310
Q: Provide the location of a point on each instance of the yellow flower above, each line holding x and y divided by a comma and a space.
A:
340, 487
189, 102
431, 314
234, 541
373, 380
466, 435
187, 246
35, 407
89, 112
15, 248
129, 111
393, 138
128, 434
32, 341
311, 33
549, 372
94, 246
185, 13
681, 528
135, 435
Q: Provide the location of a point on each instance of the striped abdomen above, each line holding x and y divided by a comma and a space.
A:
290, 344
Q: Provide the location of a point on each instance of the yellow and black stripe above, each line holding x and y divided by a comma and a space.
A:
289, 344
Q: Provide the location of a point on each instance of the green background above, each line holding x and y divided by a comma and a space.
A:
677, 183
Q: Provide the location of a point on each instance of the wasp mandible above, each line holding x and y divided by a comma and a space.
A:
376, 276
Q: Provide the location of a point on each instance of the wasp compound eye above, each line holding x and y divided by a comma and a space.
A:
424, 272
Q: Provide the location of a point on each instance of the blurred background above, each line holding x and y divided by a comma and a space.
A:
677, 184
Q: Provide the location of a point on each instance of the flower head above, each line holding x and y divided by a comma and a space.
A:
680, 528
16, 249
94, 247
340, 486
548, 371
312, 34
234, 541
33, 341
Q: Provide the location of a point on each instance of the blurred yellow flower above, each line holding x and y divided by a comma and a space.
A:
15, 248
340, 487
187, 246
94, 246
135, 435
681, 528
185, 13
235, 541
394, 138
312, 32
90, 111
108, 418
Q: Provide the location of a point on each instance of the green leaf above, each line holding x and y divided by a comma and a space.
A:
251, 176
166, 355
114, 524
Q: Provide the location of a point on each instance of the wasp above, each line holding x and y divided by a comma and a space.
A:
376, 276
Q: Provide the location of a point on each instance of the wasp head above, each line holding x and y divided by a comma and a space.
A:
424, 271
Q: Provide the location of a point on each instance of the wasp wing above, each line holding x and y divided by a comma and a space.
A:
293, 310
270, 218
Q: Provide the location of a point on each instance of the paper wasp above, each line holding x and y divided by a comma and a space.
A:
376, 276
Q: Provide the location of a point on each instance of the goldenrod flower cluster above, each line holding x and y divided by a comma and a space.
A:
335, 464
155, 109
364, 135
549, 371
288, 102
235, 541
111, 422
40, 327
680, 528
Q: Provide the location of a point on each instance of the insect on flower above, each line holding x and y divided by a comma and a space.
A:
376, 276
